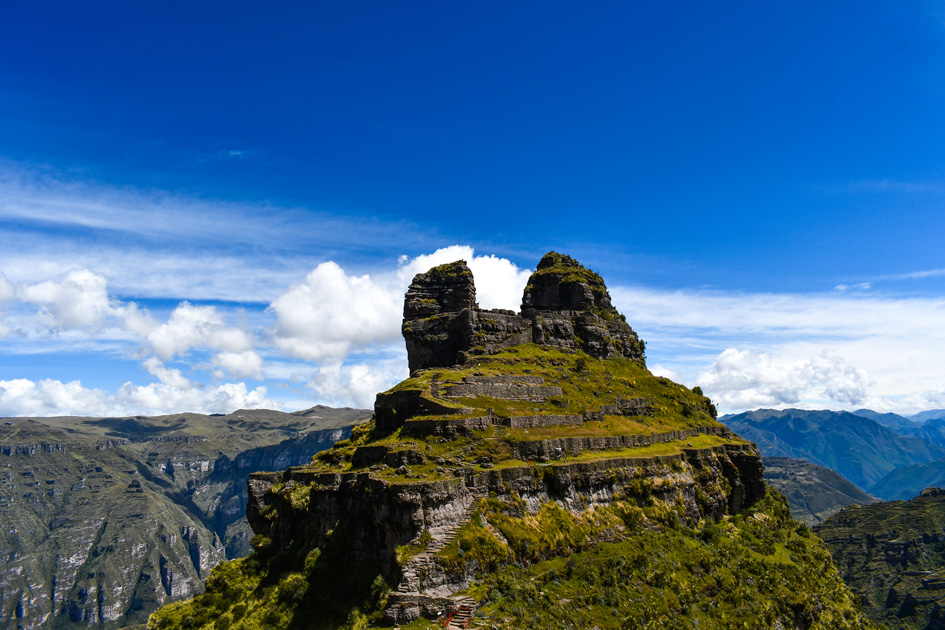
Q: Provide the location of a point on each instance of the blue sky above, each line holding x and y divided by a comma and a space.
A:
220, 205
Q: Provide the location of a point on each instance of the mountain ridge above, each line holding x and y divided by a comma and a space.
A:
857, 447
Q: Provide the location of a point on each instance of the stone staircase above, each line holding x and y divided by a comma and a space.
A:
421, 564
464, 616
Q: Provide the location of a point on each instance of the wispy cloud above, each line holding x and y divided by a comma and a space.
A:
914, 275
159, 244
896, 342
229, 154
344, 327
887, 278
84, 254
890, 186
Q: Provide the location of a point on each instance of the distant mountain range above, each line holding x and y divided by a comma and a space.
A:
106, 519
887, 455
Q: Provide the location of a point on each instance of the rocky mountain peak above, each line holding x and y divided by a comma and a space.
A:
447, 288
564, 306
560, 283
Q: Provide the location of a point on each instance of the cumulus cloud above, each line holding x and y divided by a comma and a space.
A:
357, 384
499, 282
668, 372
333, 312
23, 397
79, 301
246, 364
158, 398
169, 376
191, 326
743, 379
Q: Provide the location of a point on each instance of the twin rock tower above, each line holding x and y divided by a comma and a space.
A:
565, 306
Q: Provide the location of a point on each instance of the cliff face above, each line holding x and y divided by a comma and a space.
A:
543, 477
892, 554
107, 519
564, 306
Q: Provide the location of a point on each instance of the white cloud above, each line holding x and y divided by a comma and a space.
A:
7, 290
158, 398
340, 332
356, 385
245, 364
332, 312
499, 282
23, 397
899, 342
745, 379
668, 372
204, 249
192, 326
778, 314
861, 286
168, 376
7, 294
79, 301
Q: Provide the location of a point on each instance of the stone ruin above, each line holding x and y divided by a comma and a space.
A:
565, 306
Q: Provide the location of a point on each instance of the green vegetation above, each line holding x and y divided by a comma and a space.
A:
570, 271
587, 384
892, 555
617, 566
450, 271
814, 492
291, 589
613, 529
750, 571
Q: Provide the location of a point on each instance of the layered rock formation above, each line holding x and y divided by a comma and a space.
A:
564, 306
493, 483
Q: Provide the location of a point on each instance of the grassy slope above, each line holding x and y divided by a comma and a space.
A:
623, 565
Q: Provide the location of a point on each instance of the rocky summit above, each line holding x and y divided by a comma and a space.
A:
531, 473
565, 306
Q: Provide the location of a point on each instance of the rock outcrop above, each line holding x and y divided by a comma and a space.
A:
531, 465
565, 305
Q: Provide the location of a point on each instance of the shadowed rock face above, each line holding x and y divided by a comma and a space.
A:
565, 305
561, 283
444, 289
